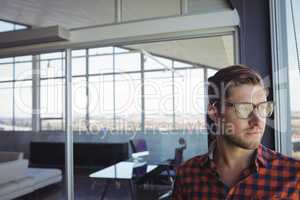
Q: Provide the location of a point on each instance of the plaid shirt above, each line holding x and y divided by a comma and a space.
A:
272, 176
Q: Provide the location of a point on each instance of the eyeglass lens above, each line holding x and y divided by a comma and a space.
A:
244, 110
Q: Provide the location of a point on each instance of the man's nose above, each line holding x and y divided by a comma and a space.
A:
255, 118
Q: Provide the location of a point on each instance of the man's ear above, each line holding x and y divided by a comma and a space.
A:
213, 112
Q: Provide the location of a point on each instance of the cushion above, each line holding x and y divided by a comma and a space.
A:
13, 170
10, 156
13, 189
43, 177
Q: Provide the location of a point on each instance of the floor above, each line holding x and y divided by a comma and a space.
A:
87, 189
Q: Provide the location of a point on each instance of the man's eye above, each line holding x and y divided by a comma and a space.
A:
244, 110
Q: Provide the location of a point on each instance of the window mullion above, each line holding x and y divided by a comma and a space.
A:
14, 99
114, 90
142, 93
173, 95
87, 116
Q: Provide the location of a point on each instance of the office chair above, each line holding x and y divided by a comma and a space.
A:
172, 165
138, 145
139, 153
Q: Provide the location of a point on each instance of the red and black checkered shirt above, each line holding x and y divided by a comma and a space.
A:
272, 176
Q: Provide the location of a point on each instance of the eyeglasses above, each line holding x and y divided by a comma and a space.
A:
244, 110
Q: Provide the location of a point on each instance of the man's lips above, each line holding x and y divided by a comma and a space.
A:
254, 131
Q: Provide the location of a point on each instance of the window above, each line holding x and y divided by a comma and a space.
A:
294, 75
79, 103
211, 72
7, 26
189, 99
52, 102
23, 105
101, 105
124, 88
101, 64
128, 101
52, 90
6, 103
144, 87
16, 93
23, 70
52, 65
127, 62
6, 70
78, 62
155, 62
158, 101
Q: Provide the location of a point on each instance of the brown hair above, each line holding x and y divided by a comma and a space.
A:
219, 85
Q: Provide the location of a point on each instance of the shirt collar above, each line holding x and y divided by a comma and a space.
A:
262, 155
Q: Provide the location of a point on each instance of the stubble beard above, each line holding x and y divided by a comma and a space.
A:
242, 142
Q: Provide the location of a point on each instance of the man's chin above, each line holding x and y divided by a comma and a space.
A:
242, 143
250, 146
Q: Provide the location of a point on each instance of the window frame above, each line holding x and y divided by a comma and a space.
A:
282, 113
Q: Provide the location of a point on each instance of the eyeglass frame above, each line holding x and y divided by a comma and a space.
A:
255, 107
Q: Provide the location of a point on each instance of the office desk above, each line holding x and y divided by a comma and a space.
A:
125, 170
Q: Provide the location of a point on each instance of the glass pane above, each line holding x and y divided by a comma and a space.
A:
178, 64
23, 105
52, 125
211, 72
6, 60
154, 62
19, 27
55, 55
53, 68
128, 62
6, 104
101, 64
102, 50
6, 26
128, 101
80, 52
78, 66
52, 98
158, 101
79, 101
23, 58
101, 105
120, 50
189, 99
23, 71
6, 71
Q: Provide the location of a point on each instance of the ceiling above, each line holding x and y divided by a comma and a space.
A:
79, 15
72, 14
211, 51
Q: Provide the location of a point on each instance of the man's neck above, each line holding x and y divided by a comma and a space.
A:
231, 156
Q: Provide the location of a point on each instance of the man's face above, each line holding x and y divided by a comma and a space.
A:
244, 133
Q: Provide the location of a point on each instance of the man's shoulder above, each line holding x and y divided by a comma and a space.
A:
275, 159
194, 163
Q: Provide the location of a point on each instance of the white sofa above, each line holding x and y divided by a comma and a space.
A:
16, 179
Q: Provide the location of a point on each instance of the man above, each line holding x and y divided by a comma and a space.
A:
237, 165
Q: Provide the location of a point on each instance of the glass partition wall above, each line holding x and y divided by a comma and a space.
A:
152, 91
